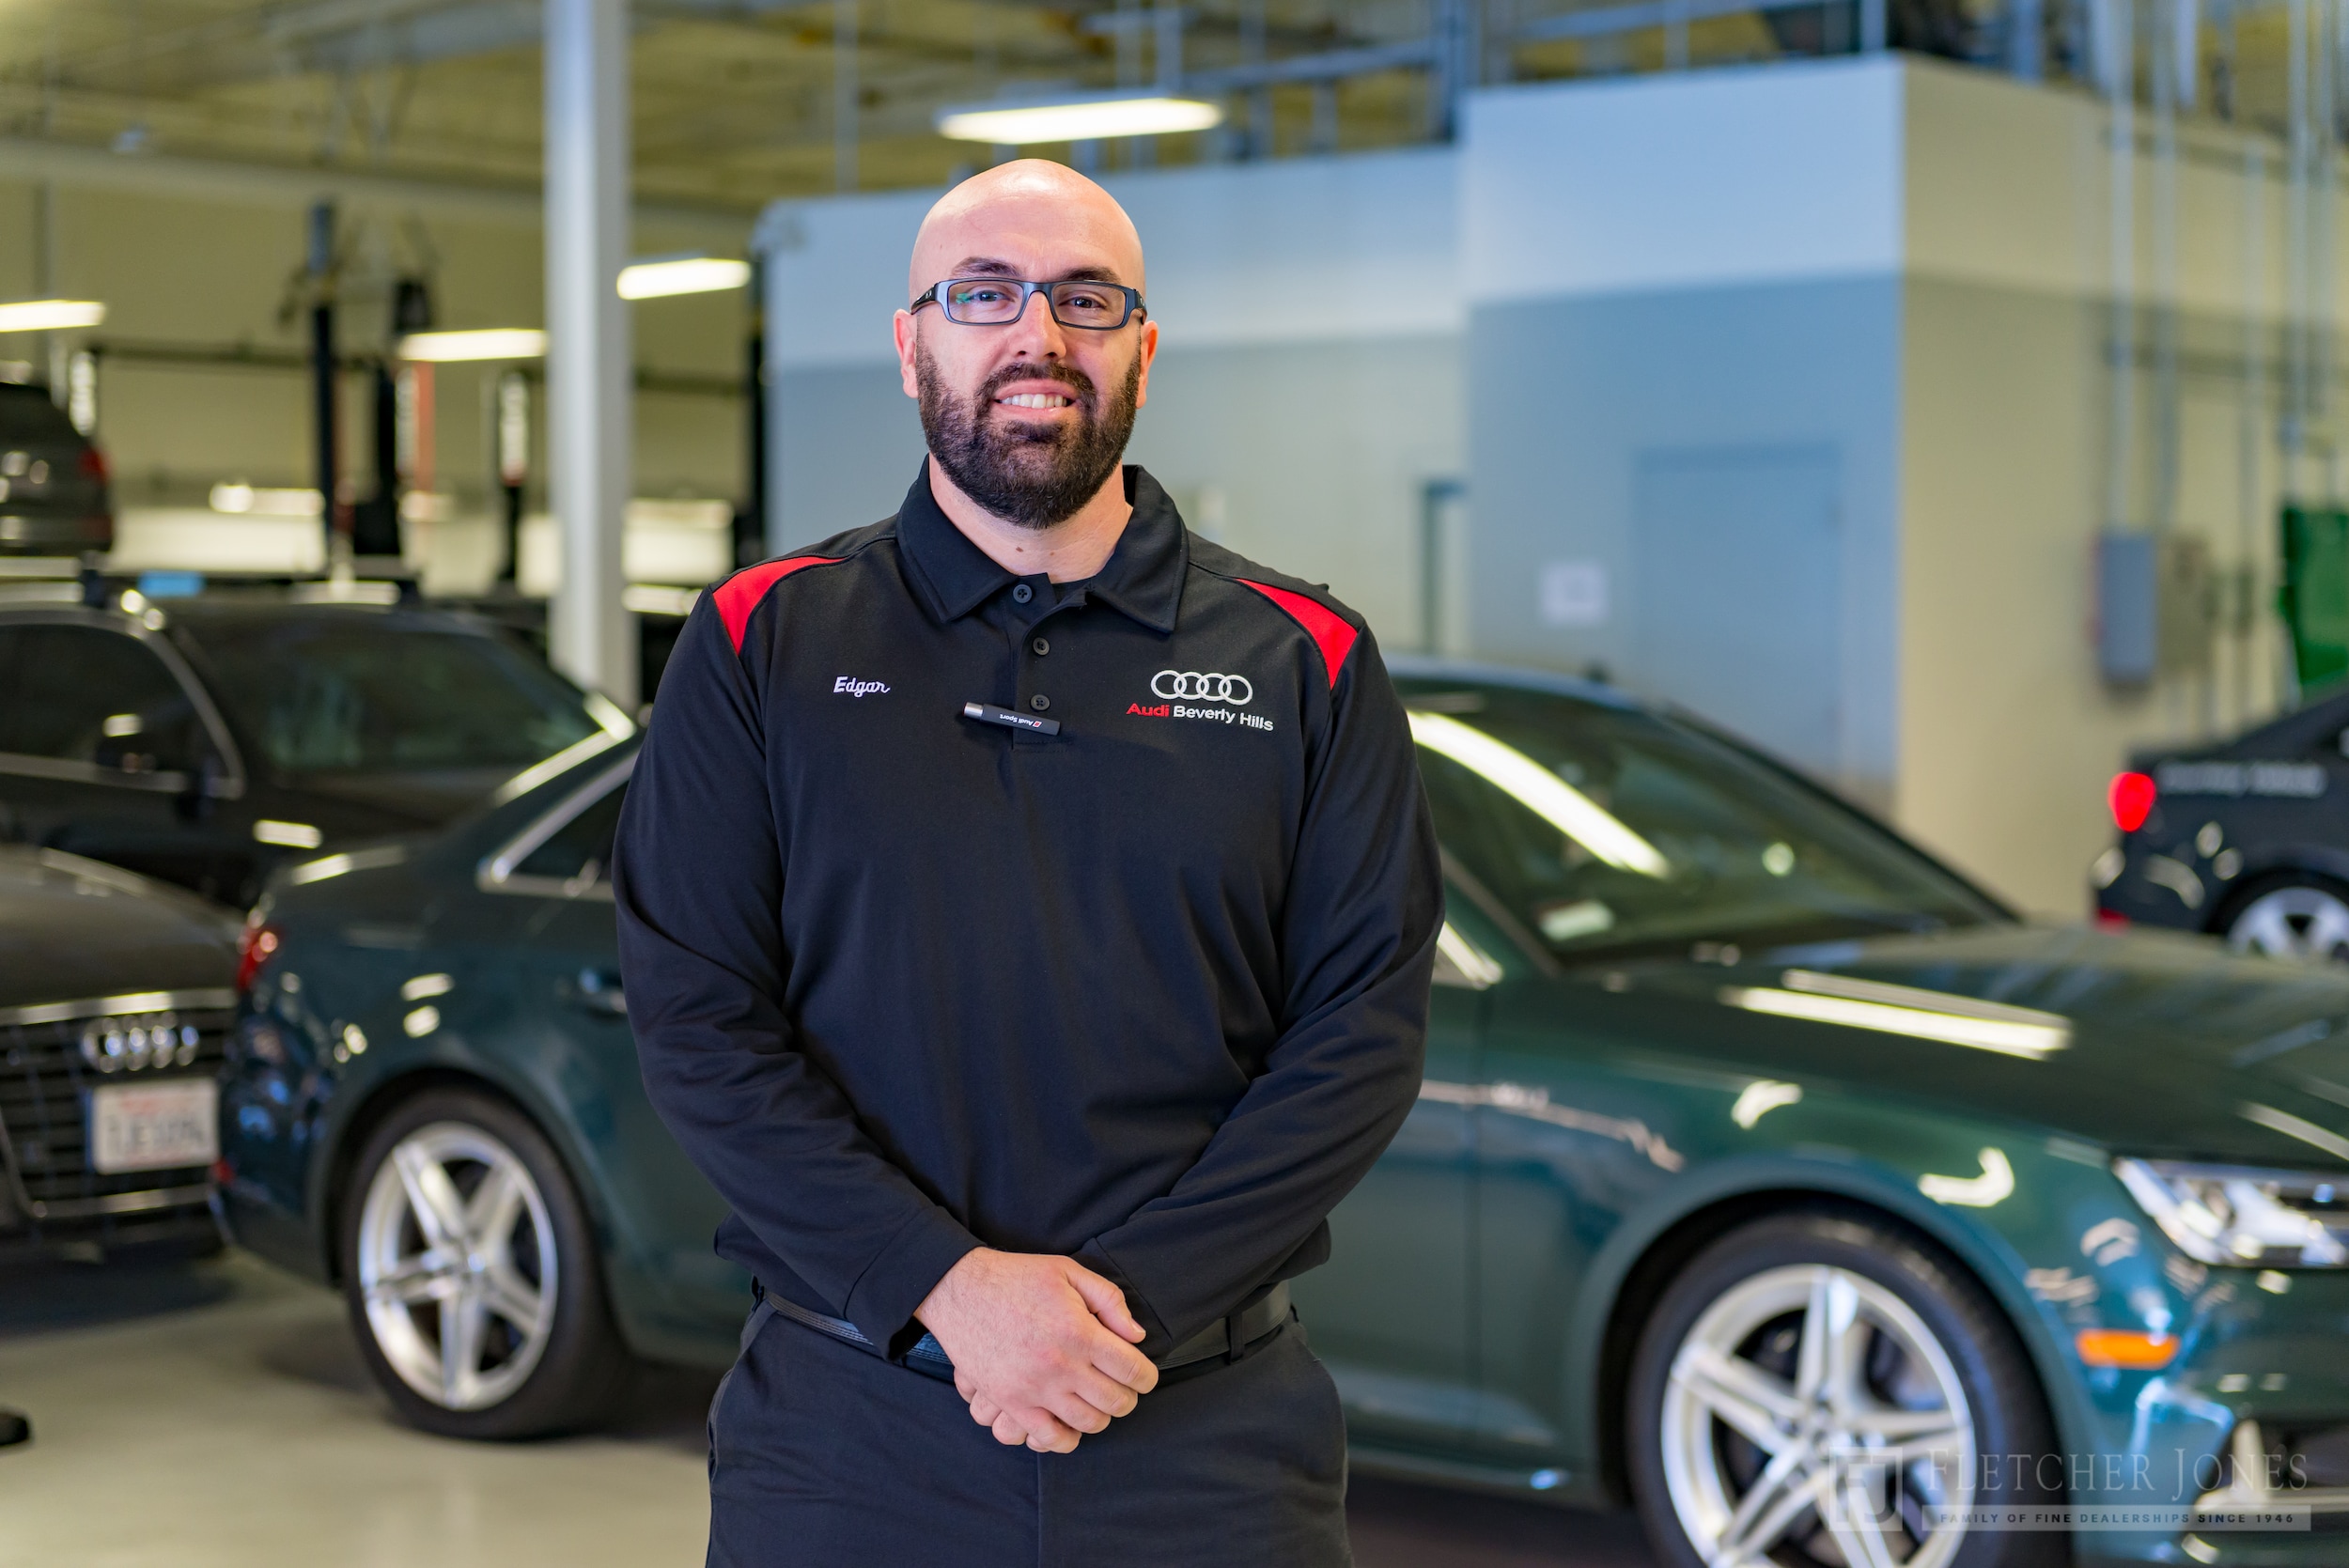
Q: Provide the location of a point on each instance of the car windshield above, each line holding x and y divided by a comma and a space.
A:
1601, 829
363, 693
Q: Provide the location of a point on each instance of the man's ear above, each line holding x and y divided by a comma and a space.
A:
1149, 351
901, 329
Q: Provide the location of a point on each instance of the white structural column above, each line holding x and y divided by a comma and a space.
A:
590, 366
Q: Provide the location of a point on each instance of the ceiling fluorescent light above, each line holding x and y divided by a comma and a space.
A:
1077, 119
487, 343
41, 315
661, 275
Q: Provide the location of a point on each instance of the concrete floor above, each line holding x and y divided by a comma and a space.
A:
214, 1415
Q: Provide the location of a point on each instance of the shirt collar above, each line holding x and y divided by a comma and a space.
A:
1142, 577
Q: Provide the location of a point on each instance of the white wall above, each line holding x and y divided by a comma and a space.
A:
1737, 177
1678, 277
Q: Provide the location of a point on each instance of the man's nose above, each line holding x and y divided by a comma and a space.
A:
1037, 332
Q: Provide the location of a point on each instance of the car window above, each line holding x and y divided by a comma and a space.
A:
1603, 830
78, 693
366, 694
580, 849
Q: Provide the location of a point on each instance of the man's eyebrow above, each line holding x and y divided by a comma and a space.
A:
991, 267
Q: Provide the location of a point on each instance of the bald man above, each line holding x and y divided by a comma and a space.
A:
1026, 911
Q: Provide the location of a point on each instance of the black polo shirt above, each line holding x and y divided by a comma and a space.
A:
1144, 981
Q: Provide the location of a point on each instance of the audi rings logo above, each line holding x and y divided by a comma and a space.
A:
1194, 687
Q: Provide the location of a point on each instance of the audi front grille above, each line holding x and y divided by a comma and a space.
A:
53, 1056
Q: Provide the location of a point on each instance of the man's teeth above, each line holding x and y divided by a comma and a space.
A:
1036, 401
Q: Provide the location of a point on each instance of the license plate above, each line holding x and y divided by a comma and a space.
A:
153, 1127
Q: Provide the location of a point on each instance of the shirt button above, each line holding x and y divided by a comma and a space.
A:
1021, 594
1041, 646
1039, 702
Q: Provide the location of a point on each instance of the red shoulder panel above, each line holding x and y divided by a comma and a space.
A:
738, 595
1325, 626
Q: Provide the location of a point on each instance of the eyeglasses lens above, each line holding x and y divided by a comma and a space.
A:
1088, 304
982, 302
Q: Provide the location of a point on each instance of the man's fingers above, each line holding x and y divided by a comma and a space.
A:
1062, 1441
984, 1410
1126, 1365
1008, 1431
1044, 1431
1075, 1410
1105, 1301
1104, 1394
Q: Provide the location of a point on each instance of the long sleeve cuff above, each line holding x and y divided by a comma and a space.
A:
883, 1301
1156, 1341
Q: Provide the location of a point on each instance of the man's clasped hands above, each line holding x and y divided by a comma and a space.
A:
1043, 1348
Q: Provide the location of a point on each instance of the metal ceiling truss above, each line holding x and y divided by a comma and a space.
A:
739, 100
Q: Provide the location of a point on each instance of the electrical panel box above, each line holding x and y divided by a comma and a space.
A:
2315, 596
2156, 606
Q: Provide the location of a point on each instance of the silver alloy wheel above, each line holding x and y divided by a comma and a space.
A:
1810, 1408
2303, 922
458, 1266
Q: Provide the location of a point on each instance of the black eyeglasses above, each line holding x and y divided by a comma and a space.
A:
1000, 301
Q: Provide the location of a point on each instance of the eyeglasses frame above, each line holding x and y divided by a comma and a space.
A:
1028, 289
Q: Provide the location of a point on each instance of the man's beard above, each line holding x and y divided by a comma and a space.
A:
1033, 475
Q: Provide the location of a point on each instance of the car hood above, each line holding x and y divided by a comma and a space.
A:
71, 929
2158, 1045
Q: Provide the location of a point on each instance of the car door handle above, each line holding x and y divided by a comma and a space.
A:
598, 991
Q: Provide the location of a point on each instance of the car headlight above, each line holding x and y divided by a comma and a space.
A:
2249, 1218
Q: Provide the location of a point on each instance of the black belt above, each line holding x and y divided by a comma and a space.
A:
1231, 1338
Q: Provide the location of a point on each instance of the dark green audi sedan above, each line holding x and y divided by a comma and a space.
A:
1766, 1175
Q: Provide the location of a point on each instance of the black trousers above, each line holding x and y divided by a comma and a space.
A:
822, 1455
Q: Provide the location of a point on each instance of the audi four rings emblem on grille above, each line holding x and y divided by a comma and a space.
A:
139, 1041
1197, 688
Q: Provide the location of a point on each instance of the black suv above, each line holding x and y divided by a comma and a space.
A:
205, 741
53, 482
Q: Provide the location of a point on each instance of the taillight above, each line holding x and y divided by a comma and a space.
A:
2131, 798
256, 944
2111, 919
93, 464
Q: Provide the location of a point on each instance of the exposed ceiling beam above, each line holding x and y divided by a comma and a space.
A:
445, 34
275, 185
295, 24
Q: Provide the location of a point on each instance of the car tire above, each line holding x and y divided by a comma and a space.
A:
471, 1274
2298, 916
1730, 1360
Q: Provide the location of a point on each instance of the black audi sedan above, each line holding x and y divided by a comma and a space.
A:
206, 740
115, 997
2248, 840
